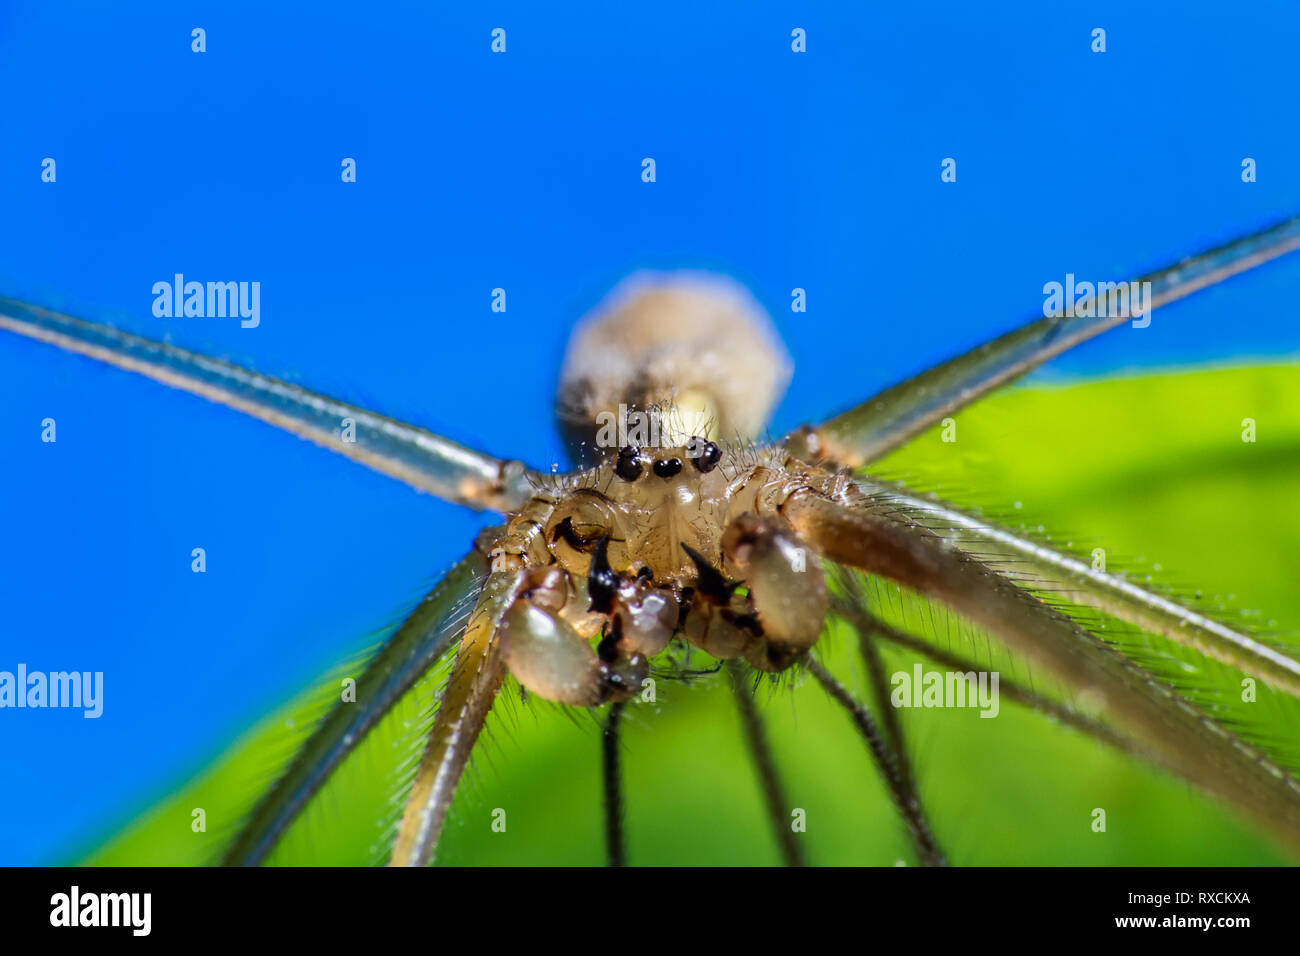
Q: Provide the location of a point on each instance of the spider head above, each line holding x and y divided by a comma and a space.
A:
648, 500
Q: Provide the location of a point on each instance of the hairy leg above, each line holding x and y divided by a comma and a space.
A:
864, 620
760, 751
907, 800
1171, 731
1106, 592
465, 704
612, 775
867, 630
424, 637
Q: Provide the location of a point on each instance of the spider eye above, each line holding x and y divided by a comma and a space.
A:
628, 464
668, 467
705, 455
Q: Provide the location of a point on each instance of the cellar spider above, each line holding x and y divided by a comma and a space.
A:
680, 525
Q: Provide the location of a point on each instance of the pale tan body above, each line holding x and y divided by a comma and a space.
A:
729, 516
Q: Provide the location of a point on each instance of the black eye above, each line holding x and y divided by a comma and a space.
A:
628, 464
667, 467
706, 455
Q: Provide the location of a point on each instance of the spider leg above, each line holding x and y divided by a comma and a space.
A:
1171, 731
905, 797
417, 457
612, 776
867, 630
892, 417
787, 588
1084, 584
423, 638
866, 622
471, 690
760, 751
517, 626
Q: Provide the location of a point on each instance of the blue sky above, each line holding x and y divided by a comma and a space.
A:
522, 171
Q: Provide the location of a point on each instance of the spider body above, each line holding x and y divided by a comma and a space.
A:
658, 537
630, 557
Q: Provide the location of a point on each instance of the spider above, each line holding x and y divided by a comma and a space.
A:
680, 525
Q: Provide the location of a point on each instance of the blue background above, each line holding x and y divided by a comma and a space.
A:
522, 171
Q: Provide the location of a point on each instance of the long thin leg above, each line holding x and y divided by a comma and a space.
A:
905, 798
1085, 585
760, 751
1006, 687
866, 629
423, 638
1173, 733
417, 457
465, 704
864, 625
615, 843
888, 419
